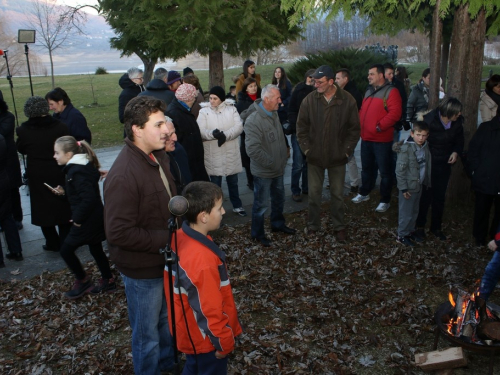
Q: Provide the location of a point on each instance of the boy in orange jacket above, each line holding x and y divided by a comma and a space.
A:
205, 313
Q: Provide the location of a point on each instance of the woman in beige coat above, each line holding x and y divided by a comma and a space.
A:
220, 128
490, 99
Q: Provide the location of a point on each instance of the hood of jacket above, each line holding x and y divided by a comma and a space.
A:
80, 159
157, 85
220, 107
126, 82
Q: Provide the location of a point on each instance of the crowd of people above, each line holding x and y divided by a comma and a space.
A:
177, 142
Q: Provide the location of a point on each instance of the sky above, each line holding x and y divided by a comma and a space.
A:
79, 2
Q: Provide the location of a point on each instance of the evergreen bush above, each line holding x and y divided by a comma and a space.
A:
101, 70
356, 60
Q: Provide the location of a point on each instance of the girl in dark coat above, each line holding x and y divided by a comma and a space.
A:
36, 139
187, 130
7, 127
280, 79
82, 191
483, 166
249, 93
60, 103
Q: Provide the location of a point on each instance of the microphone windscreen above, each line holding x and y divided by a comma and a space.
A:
178, 205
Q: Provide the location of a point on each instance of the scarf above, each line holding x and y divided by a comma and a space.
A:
494, 96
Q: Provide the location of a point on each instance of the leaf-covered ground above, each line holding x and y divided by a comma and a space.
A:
309, 305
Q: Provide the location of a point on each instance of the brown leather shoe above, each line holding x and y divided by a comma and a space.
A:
297, 198
341, 235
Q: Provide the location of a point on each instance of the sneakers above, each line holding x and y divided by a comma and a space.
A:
382, 207
405, 241
240, 211
440, 235
105, 286
80, 288
14, 256
360, 198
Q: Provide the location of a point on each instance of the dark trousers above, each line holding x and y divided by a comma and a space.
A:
11, 236
376, 155
53, 240
434, 197
17, 210
204, 364
73, 263
482, 209
245, 159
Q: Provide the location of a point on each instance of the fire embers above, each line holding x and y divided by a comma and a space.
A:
472, 319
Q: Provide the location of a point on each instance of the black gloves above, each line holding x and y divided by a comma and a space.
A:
220, 136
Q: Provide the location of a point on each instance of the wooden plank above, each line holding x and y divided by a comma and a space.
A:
441, 359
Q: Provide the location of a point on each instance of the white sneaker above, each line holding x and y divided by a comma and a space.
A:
382, 207
360, 198
240, 211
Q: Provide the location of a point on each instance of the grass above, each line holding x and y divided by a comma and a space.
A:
101, 112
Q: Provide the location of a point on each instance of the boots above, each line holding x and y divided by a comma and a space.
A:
80, 288
486, 330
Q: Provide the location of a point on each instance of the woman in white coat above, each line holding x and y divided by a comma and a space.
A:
220, 127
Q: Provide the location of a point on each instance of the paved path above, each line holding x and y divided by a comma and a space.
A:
36, 260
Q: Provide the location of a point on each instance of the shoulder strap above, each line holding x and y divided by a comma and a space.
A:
164, 178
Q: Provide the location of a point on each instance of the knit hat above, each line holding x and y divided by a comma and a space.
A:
187, 71
186, 92
172, 77
219, 91
36, 106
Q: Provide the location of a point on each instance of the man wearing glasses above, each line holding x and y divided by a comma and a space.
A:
328, 131
132, 85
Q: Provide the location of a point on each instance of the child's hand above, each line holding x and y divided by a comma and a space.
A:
220, 355
492, 245
453, 158
407, 195
103, 173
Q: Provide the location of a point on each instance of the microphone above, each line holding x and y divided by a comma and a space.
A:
178, 205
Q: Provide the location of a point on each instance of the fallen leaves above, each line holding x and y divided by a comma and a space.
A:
308, 304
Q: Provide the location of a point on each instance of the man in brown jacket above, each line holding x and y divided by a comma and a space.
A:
328, 131
136, 195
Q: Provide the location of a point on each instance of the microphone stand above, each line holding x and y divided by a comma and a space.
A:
169, 261
9, 78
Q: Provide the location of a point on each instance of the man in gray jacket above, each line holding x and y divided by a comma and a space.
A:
266, 147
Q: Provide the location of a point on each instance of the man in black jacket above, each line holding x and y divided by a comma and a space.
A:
158, 87
299, 165
131, 84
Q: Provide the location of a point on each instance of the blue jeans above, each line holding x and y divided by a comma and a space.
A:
263, 189
491, 276
373, 155
204, 364
299, 168
152, 350
232, 186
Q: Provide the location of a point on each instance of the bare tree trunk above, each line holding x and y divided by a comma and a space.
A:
470, 89
216, 69
445, 57
435, 51
459, 53
52, 69
149, 66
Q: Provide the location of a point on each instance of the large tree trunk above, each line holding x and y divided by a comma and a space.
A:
216, 69
435, 50
467, 88
445, 57
459, 53
149, 67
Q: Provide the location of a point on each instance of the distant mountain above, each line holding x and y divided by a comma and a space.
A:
97, 31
